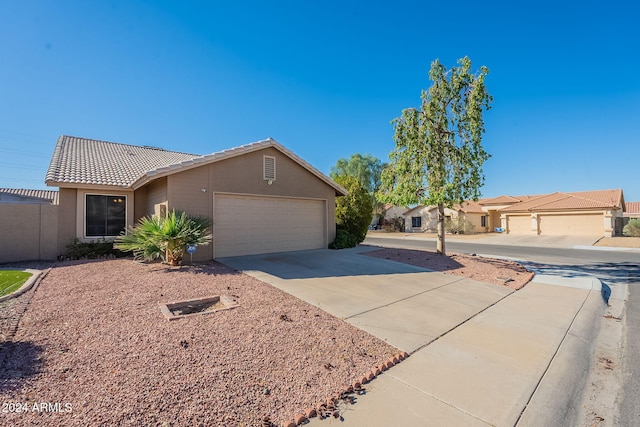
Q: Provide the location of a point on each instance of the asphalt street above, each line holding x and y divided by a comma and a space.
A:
613, 268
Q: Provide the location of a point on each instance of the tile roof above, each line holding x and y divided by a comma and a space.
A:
470, 207
500, 200
88, 161
633, 207
601, 199
51, 195
408, 211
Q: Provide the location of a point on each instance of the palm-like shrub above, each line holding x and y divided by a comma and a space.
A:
165, 238
632, 229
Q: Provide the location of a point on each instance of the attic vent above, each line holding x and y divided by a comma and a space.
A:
269, 167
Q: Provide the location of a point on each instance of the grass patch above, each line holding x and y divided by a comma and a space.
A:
11, 280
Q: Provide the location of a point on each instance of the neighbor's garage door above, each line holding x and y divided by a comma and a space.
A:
572, 225
246, 225
519, 224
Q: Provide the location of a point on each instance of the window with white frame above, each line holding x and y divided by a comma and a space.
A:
416, 221
105, 216
483, 220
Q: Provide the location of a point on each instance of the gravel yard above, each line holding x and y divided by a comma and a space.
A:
94, 346
488, 270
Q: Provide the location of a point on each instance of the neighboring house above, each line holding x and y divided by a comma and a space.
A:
425, 218
596, 213
392, 212
633, 210
262, 197
421, 219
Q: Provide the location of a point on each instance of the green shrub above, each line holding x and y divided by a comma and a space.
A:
344, 239
167, 238
458, 226
393, 224
632, 229
353, 211
94, 249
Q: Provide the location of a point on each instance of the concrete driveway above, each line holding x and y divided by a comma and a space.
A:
406, 306
501, 358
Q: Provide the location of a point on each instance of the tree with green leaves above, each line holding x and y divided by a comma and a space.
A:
438, 156
366, 169
353, 212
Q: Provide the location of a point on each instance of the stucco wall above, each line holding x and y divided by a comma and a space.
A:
193, 190
66, 217
28, 232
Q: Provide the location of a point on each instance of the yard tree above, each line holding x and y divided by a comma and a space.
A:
366, 169
353, 211
438, 155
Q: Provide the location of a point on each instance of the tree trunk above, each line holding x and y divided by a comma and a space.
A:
440, 247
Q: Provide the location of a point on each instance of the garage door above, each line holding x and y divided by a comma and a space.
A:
246, 225
519, 224
572, 225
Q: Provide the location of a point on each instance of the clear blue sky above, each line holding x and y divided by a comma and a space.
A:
324, 79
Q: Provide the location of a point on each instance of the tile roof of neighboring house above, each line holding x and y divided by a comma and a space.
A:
51, 195
470, 207
415, 208
500, 200
632, 208
601, 199
87, 161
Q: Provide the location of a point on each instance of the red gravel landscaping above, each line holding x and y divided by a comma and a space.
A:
94, 348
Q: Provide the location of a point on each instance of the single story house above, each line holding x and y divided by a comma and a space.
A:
596, 213
425, 218
262, 197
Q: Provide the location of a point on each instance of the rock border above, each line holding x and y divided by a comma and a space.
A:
329, 407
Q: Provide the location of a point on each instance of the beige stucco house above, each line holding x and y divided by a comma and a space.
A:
425, 218
262, 197
594, 213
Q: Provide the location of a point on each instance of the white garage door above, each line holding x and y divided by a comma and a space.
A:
246, 225
519, 224
572, 225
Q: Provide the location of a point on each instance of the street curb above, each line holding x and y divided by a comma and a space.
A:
552, 402
606, 248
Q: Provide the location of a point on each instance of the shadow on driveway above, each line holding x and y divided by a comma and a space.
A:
319, 263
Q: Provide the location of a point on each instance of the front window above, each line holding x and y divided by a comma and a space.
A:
483, 221
416, 221
105, 215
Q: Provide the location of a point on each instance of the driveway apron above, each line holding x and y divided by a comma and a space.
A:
404, 305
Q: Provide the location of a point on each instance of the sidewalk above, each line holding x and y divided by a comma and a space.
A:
486, 371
